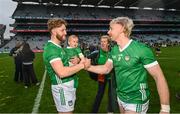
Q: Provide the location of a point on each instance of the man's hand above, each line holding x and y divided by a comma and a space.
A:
75, 60
87, 63
14, 55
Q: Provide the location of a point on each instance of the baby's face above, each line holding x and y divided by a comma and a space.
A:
73, 42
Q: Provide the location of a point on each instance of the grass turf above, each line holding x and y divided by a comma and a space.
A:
14, 98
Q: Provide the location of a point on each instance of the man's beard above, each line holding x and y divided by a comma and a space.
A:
60, 38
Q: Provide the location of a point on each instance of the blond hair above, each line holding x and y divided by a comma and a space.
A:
126, 22
72, 36
54, 23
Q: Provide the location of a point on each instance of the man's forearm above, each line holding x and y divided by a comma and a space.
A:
163, 91
68, 71
99, 69
163, 94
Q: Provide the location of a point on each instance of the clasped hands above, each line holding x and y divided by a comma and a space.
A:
85, 61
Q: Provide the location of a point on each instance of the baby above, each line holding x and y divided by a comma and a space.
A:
72, 50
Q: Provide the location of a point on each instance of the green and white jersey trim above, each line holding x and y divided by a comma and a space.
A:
110, 60
55, 43
151, 64
125, 46
54, 60
143, 86
138, 108
81, 55
62, 97
59, 81
69, 47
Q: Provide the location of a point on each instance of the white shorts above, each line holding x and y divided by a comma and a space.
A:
139, 108
64, 96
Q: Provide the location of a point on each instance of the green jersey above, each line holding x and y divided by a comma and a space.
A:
73, 52
51, 53
130, 66
103, 56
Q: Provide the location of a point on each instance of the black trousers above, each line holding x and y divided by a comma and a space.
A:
100, 94
29, 75
18, 76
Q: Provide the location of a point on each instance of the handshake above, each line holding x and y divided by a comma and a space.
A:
85, 61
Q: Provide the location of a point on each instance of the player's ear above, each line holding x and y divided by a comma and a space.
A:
53, 31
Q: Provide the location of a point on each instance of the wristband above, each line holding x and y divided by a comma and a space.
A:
165, 108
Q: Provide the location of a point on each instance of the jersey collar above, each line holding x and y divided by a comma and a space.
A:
125, 46
55, 43
69, 47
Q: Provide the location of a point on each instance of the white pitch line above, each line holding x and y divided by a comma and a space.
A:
39, 95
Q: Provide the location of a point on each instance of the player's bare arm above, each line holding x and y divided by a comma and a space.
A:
162, 87
63, 71
101, 69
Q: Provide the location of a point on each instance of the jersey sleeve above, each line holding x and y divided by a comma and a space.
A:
147, 57
80, 54
53, 55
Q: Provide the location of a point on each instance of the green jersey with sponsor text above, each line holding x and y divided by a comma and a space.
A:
53, 52
130, 66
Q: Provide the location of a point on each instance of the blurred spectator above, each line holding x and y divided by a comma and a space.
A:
18, 76
27, 60
158, 50
100, 57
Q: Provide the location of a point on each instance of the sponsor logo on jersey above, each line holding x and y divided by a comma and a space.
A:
116, 57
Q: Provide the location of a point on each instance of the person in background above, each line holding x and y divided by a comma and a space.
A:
28, 70
15, 52
99, 58
157, 50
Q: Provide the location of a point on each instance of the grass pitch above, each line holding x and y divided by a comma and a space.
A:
14, 98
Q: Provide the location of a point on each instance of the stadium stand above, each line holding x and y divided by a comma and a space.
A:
89, 20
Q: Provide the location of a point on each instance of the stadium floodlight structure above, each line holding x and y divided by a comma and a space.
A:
154, 4
92, 17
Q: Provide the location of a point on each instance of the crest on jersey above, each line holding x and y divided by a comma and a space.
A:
127, 58
70, 103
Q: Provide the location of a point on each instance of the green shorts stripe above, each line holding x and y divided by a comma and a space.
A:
62, 98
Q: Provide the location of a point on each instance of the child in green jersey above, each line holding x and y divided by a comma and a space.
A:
72, 50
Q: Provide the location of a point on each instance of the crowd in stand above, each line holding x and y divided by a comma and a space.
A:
91, 42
